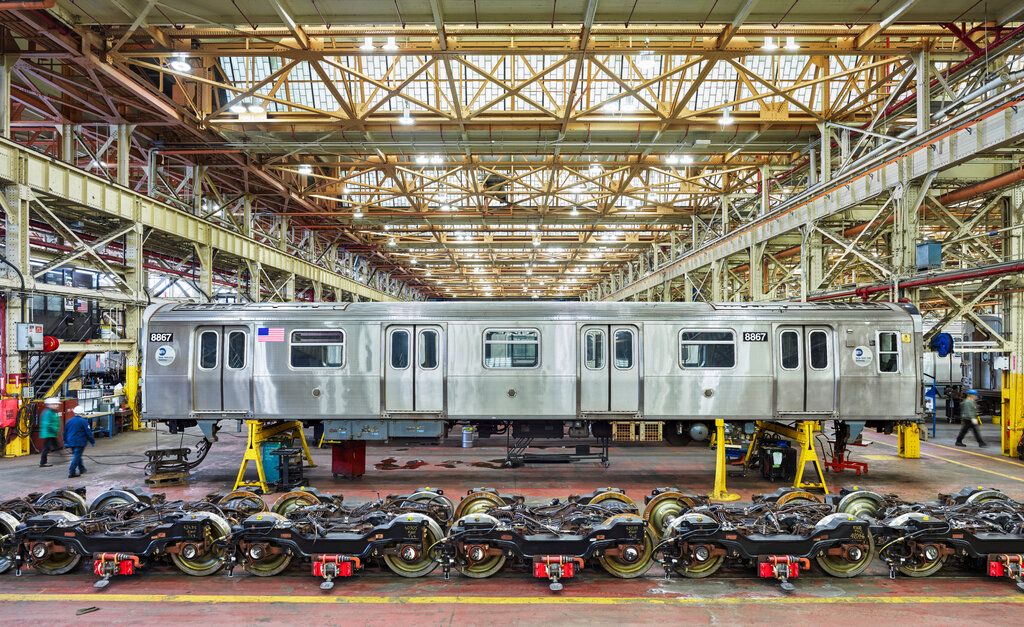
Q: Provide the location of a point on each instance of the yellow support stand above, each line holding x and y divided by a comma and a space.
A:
720, 492
19, 445
1013, 413
803, 436
260, 432
131, 392
908, 440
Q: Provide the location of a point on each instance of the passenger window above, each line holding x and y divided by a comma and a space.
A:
888, 352
511, 348
707, 349
819, 350
236, 350
399, 349
623, 349
790, 350
428, 349
208, 342
317, 349
595, 349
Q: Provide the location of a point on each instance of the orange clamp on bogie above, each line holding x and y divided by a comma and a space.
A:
1010, 566
782, 568
555, 568
332, 566
107, 565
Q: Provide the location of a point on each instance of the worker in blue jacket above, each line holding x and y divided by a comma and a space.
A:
76, 433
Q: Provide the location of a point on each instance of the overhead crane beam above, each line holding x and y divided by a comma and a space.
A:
945, 145
50, 178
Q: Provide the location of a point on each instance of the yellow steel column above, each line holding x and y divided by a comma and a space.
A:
720, 492
131, 391
1013, 414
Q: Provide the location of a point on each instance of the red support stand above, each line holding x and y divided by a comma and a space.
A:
348, 459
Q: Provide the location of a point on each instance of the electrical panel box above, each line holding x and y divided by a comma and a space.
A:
29, 336
929, 255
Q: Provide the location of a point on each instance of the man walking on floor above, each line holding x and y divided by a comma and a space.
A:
49, 427
76, 433
969, 419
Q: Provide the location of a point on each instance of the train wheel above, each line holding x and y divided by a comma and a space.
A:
984, 496
610, 497
64, 501
699, 568
411, 561
243, 501
478, 503
8, 526
630, 566
664, 508
292, 501
53, 562
797, 497
861, 504
263, 563
431, 498
854, 563
113, 498
202, 560
934, 559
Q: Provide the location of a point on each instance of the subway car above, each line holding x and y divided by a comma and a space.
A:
379, 371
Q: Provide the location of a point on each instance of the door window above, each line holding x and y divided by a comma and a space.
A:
208, 345
428, 349
819, 350
790, 350
594, 349
236, 350
623, 349
399, 349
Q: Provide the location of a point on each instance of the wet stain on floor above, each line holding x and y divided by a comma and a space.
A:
390, 463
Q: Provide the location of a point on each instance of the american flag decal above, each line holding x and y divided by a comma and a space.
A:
270, 334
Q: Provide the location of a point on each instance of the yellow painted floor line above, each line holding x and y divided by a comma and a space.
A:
965, 465
960, 449
853, 599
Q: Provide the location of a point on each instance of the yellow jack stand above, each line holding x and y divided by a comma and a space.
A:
19, 445
908, 440
1013, 413
803, 436
720, 492
260, 432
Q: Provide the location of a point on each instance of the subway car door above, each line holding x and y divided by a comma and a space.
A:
805, 379
222, 370
609, 371
414, 368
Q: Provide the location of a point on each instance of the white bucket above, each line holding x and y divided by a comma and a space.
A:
468, 434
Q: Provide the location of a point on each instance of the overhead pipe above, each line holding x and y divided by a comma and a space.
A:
28, 5
945, 278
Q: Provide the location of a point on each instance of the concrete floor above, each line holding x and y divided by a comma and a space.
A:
376, 597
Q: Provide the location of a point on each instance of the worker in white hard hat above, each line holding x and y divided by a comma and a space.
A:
49, 427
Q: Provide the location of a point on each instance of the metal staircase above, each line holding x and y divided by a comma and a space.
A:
48, 371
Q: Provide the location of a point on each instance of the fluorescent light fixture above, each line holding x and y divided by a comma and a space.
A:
358, 214
791, 43
686, 159
255, 108
179, 63
769, 45
534, 297
422, 159
412, 260
391, 45
574, 212
529, 271
392, 242
595, 169
238, 107
305, 168
436, 160
367, 44
446, 207
428, 273
532, 227
726, 118
536, 242
406, 119
672, 159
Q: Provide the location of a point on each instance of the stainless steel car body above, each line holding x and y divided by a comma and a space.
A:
425, 362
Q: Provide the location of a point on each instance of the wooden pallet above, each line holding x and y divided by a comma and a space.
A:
166, 479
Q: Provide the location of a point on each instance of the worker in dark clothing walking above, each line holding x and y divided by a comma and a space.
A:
969, 419
49, 427
76, 433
